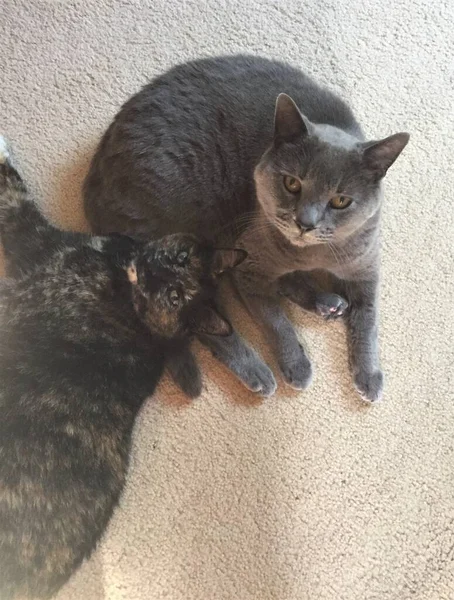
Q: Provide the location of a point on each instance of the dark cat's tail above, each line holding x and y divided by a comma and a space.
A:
24, 231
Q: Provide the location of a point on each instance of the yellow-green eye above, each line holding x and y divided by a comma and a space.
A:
292, 184
182, 258
340, 201
174, 297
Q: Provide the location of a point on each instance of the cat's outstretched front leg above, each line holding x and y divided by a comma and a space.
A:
244, 362
362, 330
259, 296
294, 364
28, 238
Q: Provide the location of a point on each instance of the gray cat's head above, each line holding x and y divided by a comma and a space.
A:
317, 183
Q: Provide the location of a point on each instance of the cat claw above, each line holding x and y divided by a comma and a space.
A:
330, 306
369, 385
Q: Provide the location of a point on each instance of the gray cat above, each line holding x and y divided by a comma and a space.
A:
196, 151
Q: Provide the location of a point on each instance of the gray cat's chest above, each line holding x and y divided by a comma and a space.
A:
268, 262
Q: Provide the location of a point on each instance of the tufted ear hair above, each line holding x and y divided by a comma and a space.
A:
378, 156
289, 123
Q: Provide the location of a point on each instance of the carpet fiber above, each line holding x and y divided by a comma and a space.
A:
308, 496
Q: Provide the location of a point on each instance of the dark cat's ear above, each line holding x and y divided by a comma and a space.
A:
227, 259
289, 123
208, 321
379, 156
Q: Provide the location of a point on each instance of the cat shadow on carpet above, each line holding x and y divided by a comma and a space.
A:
66, 181
88, 581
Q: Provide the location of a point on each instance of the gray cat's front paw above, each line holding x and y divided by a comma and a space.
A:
330, 306
259, 378
297, 370
369, 385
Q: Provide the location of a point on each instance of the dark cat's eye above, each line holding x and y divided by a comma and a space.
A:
340, 202
182, 258
174, 298
292, 184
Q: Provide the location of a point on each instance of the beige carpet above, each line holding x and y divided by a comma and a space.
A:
308, 496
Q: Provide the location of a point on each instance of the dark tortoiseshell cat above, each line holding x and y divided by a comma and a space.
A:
87, 327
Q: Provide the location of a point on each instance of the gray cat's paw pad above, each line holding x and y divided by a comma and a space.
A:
297, 371
330, 306
369, 385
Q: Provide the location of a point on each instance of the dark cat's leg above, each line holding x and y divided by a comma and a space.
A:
302, 289
27, 237
185, 372
293, 362
362, 331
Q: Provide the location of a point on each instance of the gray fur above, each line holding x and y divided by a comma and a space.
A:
196, 150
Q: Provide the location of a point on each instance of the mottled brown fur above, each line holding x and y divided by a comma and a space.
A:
82, 345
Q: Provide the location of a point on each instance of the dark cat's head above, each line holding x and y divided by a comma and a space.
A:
173, 285
317, 183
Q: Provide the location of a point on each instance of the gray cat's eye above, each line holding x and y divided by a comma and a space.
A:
292, 184
174, 298
340, 202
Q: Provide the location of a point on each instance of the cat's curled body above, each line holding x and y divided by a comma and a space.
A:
88, 325
206, 148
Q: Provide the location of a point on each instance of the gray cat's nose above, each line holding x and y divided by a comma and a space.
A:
304, 227
307, 217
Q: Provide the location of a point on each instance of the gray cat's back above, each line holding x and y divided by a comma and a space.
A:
180, 154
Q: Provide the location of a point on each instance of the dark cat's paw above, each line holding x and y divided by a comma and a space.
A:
330, 306
297, 370
186, 374
369, 385
259, 378
192, 387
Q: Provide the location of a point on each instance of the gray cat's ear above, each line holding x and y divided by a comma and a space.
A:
289, 123
379, 156
208, 321
227, 259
